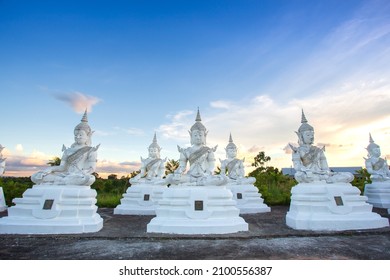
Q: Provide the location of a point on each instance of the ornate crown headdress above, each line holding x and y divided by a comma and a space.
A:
304, 125
231, 144
372, 145
83, 125
198, 125
154, 143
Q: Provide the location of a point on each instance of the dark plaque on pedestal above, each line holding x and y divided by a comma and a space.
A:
48, 204
146, 197
239, 195
339, 200
198, 205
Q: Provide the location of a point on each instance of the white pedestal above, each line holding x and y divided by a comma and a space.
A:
197, 210
53, 209
378, 194
140, 199
248, 199
321, 206
3, 206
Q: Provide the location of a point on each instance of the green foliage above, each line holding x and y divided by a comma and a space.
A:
361, 179
14, 187
260, 160
108, 200
55, 161
272, 184
171, 166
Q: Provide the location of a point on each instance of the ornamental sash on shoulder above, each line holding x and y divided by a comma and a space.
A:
232, 164
379, 164
78, 154
198, 154
151, 163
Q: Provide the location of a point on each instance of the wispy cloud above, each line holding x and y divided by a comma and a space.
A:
177, 126
78, 101
131, 131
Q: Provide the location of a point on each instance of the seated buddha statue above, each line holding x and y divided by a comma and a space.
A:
200, 159
310, 162
78, 162
375, 165
153, 167
234, 167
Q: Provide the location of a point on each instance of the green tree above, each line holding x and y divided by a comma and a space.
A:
260, 159
272, 184
55, 161
112, 177
171, 166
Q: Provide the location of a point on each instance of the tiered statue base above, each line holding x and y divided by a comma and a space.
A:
53, 209
197, 210
248, 199
3, 206
140, 199
321, 206
378, 194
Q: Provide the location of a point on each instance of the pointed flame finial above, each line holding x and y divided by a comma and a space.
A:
370, 138
230, 138
303, 119
198, 119
85, 117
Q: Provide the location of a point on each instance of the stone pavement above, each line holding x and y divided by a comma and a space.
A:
268, 238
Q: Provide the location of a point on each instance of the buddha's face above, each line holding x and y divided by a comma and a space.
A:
153, 152
80, 137
375, 152
198, 137
308, 137
231, 152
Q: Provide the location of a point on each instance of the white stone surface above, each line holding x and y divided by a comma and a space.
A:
375, 165
246, 195
73, 210
140, 199
310, 162
378, 194
3, 206
62, 200
197, 201
314, 207
248, 199
78, 162
177, 212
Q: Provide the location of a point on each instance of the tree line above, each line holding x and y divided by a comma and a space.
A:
274, 186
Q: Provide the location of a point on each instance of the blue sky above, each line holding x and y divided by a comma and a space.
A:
142, 67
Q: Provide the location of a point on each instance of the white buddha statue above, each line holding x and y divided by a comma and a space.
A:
234, 167
77, 163
153, 167
375, 165
200, 158
310, 162
2, 161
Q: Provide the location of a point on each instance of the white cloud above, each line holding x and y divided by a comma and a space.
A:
131, 131
19, 148
220, 104
78, 101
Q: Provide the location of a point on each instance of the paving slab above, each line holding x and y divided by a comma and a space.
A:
268, 238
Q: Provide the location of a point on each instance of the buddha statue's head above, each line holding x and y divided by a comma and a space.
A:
231, 148
198, 132
373, 149
305, 132
154, 149
83, 132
